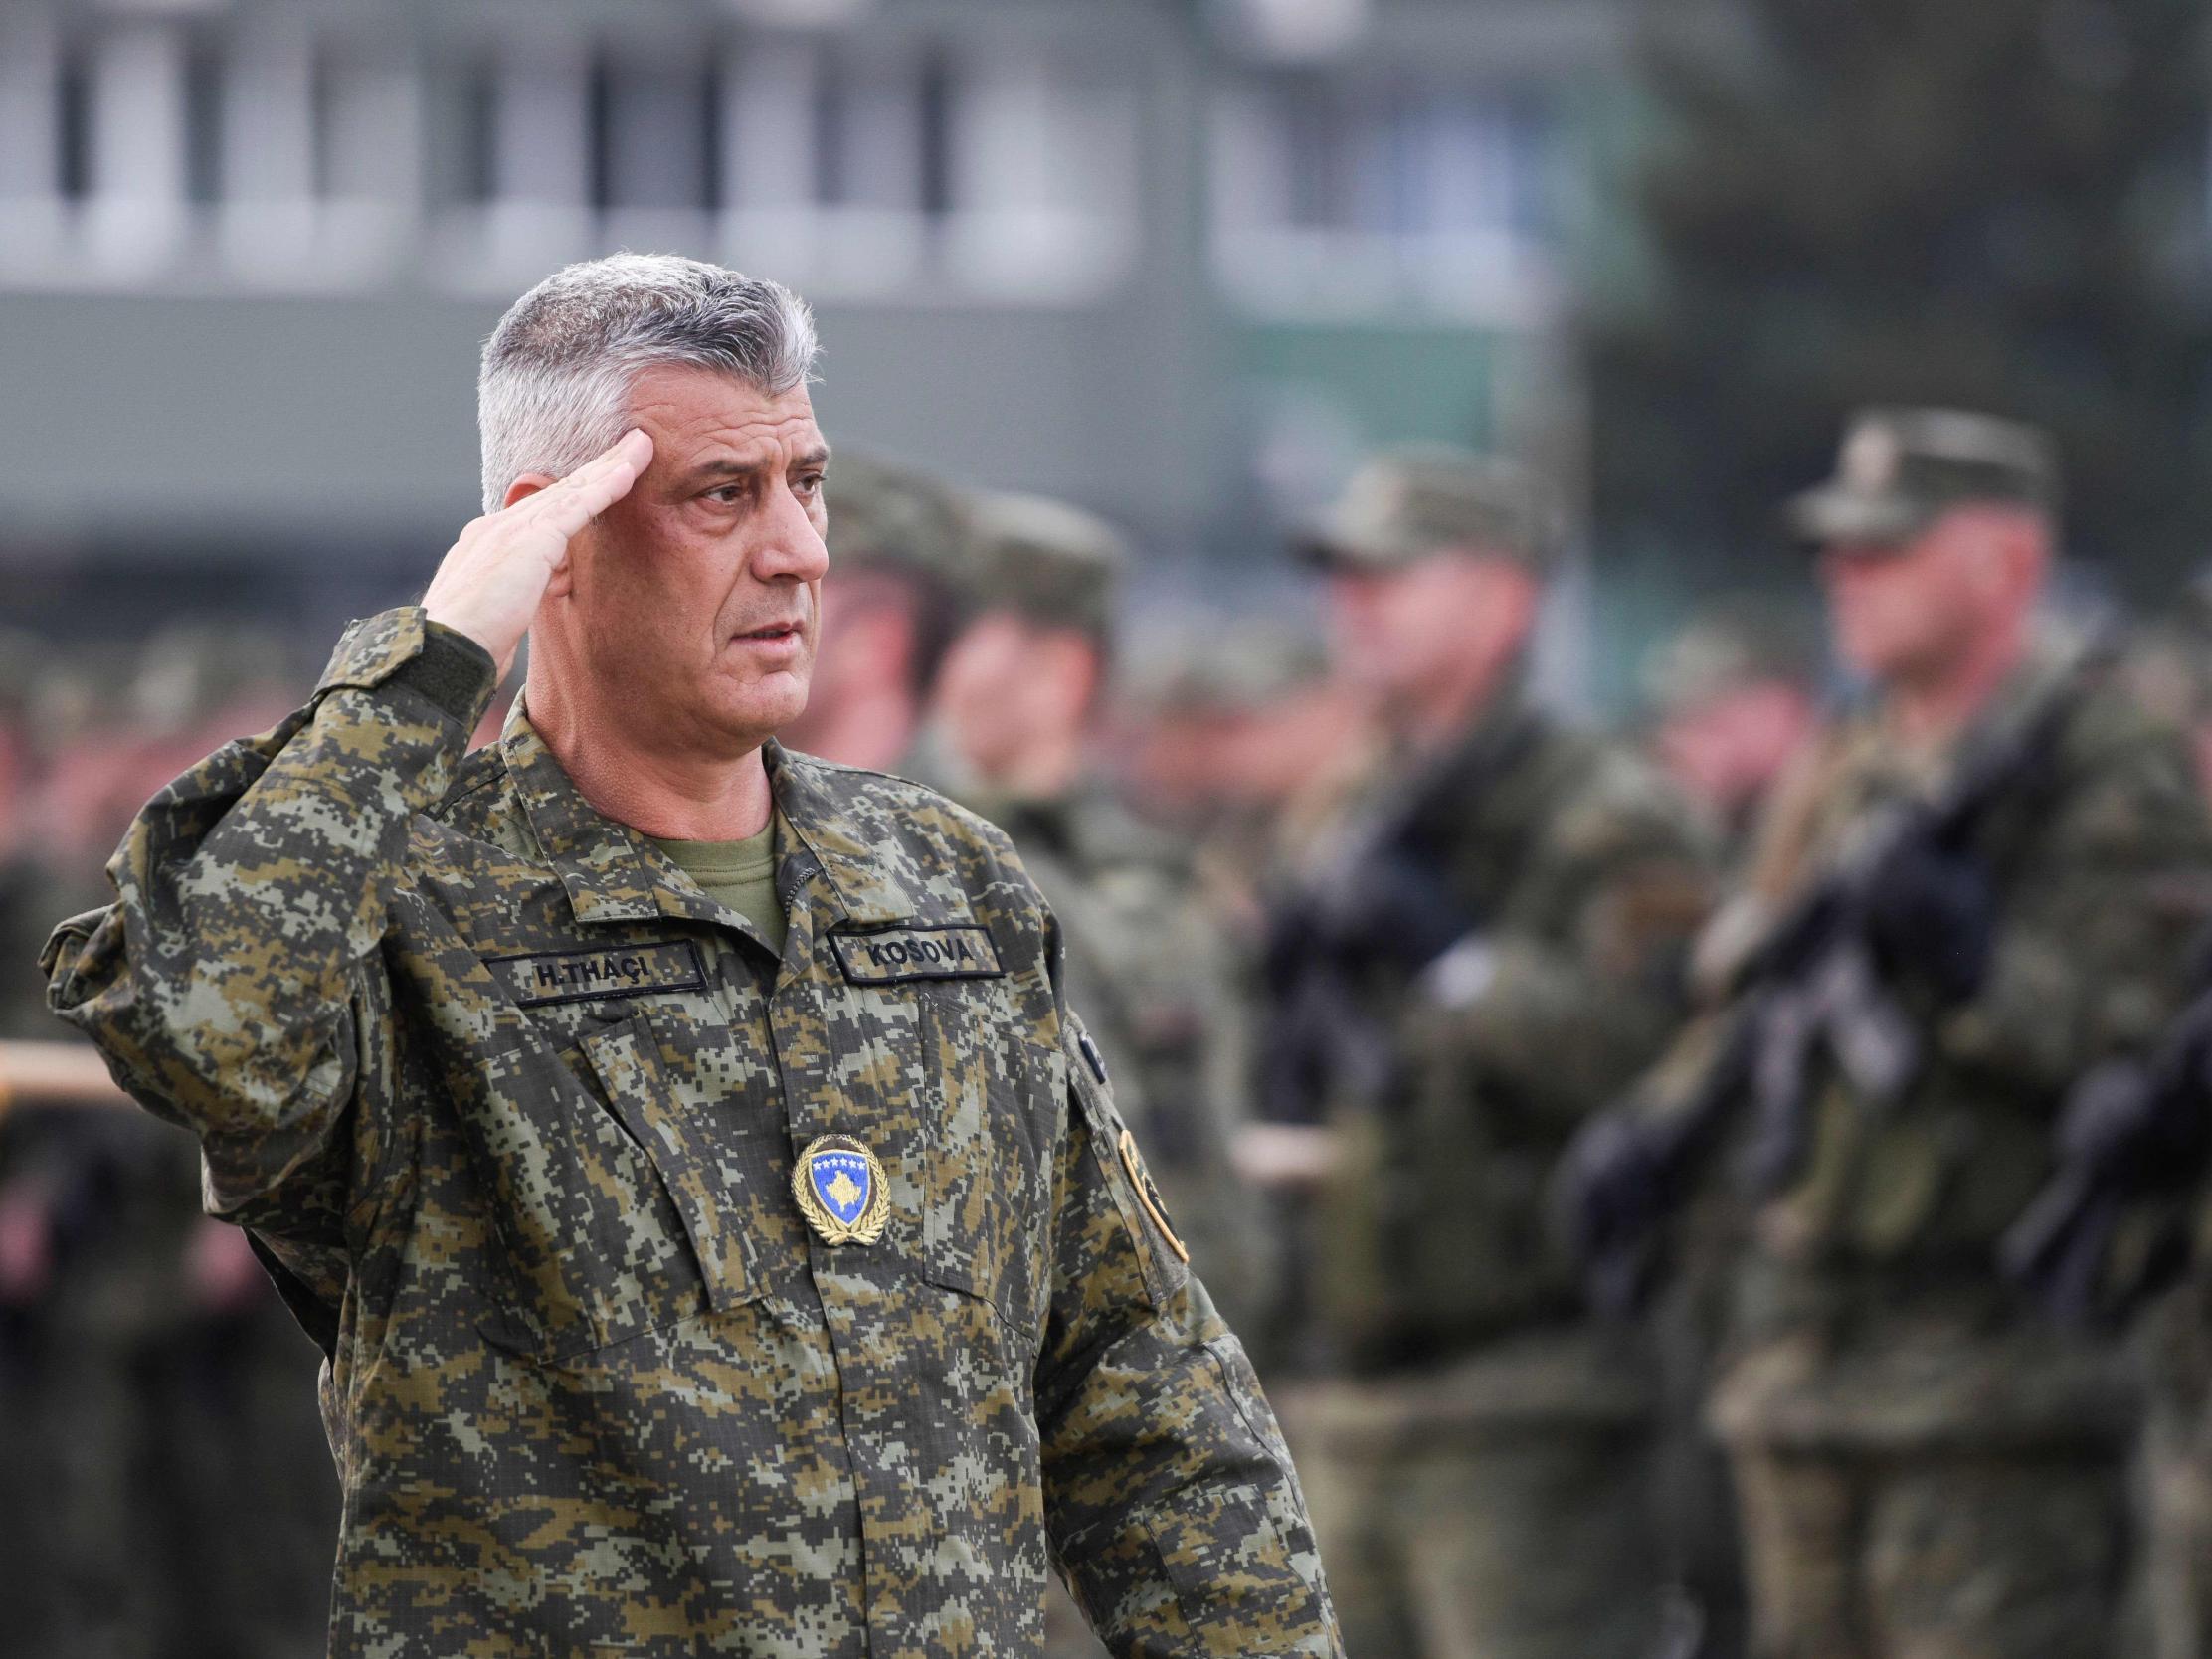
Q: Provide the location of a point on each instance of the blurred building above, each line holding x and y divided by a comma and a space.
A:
1176, 259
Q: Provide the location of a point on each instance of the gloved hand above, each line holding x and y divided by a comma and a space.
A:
2126, 1131
1611, 1195
1932, 915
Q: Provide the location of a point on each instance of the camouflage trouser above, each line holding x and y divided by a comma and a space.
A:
1455, 1535
1958, 1553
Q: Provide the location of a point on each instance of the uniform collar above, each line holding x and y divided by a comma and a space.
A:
613, 873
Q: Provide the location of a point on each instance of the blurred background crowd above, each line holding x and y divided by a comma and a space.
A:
1165, 343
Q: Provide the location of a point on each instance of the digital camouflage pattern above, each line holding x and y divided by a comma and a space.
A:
1925, 1465
591, 1384
1481, 1485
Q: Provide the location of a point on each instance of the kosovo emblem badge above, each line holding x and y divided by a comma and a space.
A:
840, 1190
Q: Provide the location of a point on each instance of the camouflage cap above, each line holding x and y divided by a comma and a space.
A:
1051, 562
885, 516
1406, 503
1900, 469
1737, 642
1218, 663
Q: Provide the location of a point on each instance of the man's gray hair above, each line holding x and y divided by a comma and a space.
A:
554, 390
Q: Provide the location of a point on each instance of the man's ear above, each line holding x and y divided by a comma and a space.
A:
527, 484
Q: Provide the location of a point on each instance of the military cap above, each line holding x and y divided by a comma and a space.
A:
1900, 470
1051, 562
1222, 663
1733, 643
885, 516
1407, 503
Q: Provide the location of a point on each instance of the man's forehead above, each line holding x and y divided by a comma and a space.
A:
697, 411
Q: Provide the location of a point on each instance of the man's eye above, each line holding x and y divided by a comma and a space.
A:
726, 495
811, 486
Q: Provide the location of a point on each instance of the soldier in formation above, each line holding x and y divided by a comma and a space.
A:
899, 551
1969, 895
168, 1492
1733, 702
1478, 943
1017, 708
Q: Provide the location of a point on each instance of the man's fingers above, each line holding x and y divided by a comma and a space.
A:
573, 502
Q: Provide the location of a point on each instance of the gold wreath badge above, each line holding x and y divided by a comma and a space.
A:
1149, 1194
839, 1170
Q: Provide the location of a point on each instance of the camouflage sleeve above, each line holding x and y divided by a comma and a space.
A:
1173, 1510
2094, 946
235, 986
1563, 1018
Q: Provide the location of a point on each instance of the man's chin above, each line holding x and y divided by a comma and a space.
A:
763, 708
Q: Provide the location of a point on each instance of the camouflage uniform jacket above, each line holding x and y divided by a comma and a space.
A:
514, 1110
1871, 1308
1581, 876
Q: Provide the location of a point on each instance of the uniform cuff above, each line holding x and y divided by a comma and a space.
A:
453, 672
443, 665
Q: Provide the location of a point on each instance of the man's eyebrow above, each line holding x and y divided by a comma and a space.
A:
730, 467
726, 468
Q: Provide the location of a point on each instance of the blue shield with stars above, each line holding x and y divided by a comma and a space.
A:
842, 1181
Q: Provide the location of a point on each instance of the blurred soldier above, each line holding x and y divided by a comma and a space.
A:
2135, 1138
1219, 722
1971, 894
192, 1506
1480, 946
1731, 701
1017, 709
889, 606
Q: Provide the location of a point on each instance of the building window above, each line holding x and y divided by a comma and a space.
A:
1340, 195
268, 149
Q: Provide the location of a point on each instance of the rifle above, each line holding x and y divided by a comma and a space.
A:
2131, 1127
1382, 909
1815, 986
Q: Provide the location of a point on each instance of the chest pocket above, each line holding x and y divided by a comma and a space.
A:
613, 1225
961, 1110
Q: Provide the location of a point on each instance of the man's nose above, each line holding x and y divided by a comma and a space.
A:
791, 546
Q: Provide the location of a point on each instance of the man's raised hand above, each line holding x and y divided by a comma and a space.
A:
491, 581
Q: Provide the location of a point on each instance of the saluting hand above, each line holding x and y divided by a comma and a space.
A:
491, 581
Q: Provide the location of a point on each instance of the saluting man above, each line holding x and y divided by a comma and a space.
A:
719, 1229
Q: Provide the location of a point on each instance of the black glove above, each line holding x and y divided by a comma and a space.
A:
2127, 1131
1613, 1192
1932, 915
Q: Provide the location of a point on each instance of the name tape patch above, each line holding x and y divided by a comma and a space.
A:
963, 952
619, 971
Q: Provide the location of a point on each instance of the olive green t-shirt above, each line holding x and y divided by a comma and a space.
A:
740, 874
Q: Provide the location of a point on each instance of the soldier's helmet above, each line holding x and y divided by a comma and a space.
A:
1047, 561
1900, 470
1407, 503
